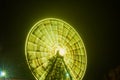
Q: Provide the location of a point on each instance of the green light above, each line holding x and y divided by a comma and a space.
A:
67, 75
47, 37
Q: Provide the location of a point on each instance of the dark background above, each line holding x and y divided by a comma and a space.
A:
96, 21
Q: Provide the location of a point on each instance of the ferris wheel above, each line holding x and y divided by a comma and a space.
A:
55, 51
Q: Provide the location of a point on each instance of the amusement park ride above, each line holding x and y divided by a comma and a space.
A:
55, 51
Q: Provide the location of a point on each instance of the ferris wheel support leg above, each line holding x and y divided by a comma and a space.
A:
67, 70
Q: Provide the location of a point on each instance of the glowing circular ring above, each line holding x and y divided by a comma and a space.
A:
43, 41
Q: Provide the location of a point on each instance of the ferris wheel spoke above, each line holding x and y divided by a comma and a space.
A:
38, 55
48, 37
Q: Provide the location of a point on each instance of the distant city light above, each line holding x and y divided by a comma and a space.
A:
2, 73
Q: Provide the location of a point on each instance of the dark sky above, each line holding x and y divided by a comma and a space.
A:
96, 21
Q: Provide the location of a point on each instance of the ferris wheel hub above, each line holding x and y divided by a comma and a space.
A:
62, 51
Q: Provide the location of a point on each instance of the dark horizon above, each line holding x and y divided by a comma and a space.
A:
96, 22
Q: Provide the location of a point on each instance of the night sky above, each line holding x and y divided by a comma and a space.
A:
97, 23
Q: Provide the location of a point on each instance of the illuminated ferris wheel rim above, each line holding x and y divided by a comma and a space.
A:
60, 49
35, 25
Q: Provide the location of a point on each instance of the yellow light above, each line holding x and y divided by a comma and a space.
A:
62, 51
49, 37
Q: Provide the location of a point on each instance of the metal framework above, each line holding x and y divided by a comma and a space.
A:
55, 51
